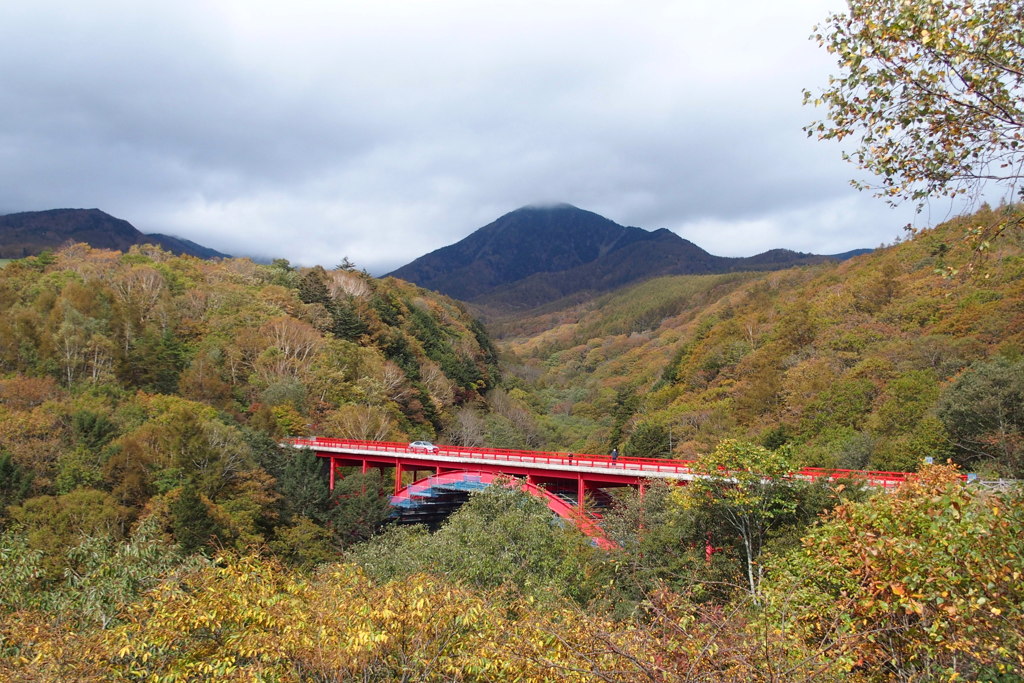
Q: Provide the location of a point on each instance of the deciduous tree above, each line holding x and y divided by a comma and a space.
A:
921, 584
742, 488
983, 411
502, 536
54, 523
933, 88
362, 422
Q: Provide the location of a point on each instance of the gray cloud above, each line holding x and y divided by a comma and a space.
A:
381, 131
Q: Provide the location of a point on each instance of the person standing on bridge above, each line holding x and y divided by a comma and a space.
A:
615, 455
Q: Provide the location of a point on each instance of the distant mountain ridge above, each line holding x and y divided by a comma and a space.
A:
31, 232
539, 254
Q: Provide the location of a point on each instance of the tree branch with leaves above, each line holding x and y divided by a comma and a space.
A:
934, 89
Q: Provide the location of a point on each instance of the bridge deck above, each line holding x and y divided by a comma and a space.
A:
473, 458
623, 469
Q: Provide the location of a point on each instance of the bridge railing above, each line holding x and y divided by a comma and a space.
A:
873, 477
509, 455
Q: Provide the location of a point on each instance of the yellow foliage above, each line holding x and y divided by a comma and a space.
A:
242, 618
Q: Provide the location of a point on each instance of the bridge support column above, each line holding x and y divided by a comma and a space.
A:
366, 467
398, 477
332, 466
581, 492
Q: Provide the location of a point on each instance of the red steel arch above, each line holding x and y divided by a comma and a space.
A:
558, 506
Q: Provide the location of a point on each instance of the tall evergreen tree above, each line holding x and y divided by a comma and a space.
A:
15, 482
359, 506
194, 528
302, 484
345, 320
312, 288
649, 440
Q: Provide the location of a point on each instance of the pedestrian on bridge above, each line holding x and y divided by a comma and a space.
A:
615, 455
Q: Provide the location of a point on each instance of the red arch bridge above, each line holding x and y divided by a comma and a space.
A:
573, 485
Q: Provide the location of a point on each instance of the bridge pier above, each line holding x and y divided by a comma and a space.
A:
364, 467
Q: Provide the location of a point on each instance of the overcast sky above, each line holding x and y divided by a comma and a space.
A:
381, 130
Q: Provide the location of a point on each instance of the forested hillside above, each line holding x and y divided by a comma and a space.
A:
150, 528
142, 383
876, 362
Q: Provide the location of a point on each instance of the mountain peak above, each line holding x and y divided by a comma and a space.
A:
547, 251
30, 232
530, 241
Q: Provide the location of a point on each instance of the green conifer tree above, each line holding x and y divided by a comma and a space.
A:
194, 528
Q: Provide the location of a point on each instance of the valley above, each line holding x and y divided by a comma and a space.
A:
144, 497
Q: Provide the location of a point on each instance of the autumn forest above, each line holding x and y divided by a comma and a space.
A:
153, 529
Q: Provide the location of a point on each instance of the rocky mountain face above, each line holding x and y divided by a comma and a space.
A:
29, 233
536, 255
